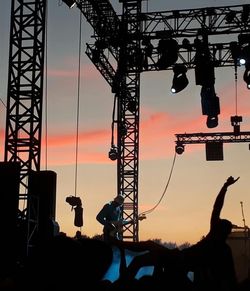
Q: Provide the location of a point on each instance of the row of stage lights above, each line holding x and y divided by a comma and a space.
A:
168, 53
204, 65
204, 74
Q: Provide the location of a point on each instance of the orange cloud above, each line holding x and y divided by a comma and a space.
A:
157, 136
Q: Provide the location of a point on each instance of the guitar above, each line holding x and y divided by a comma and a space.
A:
117, 226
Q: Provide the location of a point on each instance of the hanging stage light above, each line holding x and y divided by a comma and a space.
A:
180, 80
70, 3
113, 153
168, 53
179, 148
246, 75
210, 104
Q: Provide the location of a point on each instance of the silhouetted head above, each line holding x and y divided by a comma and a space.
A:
119, 199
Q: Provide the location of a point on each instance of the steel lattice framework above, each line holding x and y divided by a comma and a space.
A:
225, 137
116, 53
210, 24
25, 93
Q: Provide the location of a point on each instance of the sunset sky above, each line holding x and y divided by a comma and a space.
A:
184, 213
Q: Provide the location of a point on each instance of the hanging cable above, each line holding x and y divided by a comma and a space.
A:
78, 103
236, 89
164, 191
73, 200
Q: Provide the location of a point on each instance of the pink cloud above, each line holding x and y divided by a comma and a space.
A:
157, 139
91, 137
87, 72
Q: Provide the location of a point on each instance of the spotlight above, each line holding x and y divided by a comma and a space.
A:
245, 55
210, 104
244, 38
186, 44
113, 153
179, 148
70, 3
212, 121
168, 53
180, 80
246, 75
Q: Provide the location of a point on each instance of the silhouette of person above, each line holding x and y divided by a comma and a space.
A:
110, 216
210, 259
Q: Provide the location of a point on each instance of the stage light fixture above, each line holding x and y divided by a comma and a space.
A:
186, 44
179, 148
212, 121
113, 153
204, 65
168, 53
210, 104
180, 80
245, 55
69, 3
246, 75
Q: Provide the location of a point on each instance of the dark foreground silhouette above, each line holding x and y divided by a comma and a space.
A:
64, 262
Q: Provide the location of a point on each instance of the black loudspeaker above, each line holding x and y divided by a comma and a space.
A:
42, 201
214, 151
9, 197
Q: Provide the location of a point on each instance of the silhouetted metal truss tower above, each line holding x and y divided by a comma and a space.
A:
120, 45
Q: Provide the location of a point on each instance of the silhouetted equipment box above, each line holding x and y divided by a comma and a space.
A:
9, 197
239, 241
214, 151
42, 201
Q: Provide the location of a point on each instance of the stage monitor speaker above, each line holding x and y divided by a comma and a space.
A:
42, 196
9, 198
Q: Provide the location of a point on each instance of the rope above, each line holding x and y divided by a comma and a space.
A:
78, 103
164, 191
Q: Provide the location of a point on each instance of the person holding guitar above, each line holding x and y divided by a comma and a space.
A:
110, 216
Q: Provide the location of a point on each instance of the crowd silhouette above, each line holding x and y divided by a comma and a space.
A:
81, 262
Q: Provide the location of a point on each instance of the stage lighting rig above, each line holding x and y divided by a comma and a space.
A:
113, 153
179, 148
180, 80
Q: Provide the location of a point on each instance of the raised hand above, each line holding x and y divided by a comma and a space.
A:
231, 180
